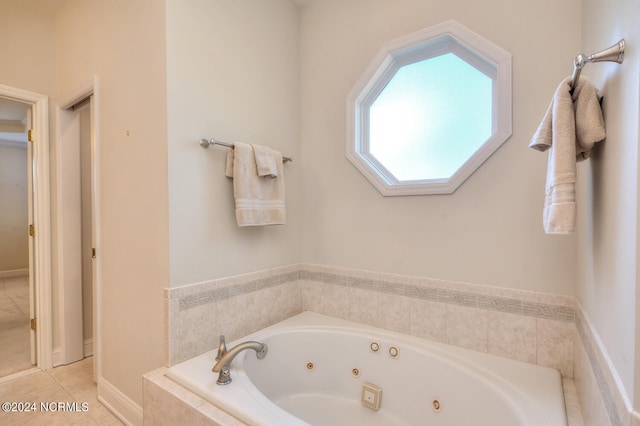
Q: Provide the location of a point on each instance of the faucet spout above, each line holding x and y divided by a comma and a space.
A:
224, 363
222, 348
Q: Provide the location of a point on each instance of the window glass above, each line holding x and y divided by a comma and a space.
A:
430, 118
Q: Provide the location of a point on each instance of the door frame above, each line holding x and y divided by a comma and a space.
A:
40, 256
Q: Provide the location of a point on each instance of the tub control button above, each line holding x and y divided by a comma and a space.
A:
371, 395
375, 347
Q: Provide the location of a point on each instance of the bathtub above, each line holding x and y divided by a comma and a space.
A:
321, 370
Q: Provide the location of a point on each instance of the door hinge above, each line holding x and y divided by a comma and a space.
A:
34, 324
30, 135
32, 230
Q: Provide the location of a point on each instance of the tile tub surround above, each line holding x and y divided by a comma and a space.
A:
166, 403
533, 327
539, 328
198, 314
598, 386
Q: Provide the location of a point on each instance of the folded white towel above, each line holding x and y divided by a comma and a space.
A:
259, 201
571, 127
266, 161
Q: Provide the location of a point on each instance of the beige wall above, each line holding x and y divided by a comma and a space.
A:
490, 230
232, 74
14, 249
27, 36
608, 198
123, 44
27, 46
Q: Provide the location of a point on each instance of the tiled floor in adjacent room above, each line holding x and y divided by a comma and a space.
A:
15, 354
65, 384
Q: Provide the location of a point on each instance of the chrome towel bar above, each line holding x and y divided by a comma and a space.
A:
206, 142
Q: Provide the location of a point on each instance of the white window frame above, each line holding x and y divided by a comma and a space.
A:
449, 36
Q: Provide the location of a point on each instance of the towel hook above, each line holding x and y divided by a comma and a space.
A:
614, 53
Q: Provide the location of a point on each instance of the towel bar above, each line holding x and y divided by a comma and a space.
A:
206, 142
613, 53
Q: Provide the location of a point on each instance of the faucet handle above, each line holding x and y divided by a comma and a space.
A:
222, 348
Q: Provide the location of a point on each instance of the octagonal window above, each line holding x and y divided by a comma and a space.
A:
431, 108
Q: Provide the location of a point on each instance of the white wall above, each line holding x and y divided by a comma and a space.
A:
608, 198
123, 43
490, 230
232, 74
14, 249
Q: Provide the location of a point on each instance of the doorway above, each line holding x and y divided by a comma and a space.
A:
17, 352
69, 314
25, 250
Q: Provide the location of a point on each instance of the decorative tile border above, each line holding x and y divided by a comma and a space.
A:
217, 290
222, 293
438, 293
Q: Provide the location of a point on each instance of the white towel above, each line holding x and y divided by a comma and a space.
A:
571, 127
267, 161
259, 201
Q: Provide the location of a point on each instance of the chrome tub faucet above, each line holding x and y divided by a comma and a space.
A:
225, 357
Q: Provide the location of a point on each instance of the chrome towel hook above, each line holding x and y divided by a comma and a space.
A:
614, 53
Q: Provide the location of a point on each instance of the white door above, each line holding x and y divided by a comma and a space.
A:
87, 200
77, 230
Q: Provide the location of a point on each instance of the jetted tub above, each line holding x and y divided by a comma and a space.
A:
316, 367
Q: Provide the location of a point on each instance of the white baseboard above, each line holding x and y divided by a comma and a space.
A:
119, 404
88, 347
56, 357
14, 273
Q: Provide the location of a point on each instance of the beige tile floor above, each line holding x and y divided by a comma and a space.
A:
15, 353
64, 384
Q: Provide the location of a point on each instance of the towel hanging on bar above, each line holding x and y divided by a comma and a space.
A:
259, 201
570, 128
